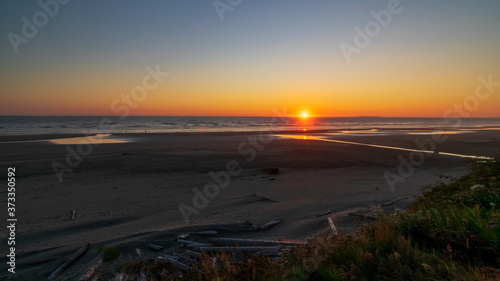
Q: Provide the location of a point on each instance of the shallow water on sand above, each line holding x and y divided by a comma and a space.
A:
325, 138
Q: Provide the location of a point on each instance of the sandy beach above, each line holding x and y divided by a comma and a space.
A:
128, 194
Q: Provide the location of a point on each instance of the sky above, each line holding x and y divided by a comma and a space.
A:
247, 58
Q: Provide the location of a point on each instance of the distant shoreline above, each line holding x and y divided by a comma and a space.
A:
48, 137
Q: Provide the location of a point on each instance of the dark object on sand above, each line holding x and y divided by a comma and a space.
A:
324, 214
76, 255
271, 171
261, 198
155, 247
271, 224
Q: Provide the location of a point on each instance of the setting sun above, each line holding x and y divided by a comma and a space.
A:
304, 114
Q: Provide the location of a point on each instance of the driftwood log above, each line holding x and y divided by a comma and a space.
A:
76, 255
240, 226
191, 244
155, 247
324, 214
271, 224
332, 227
392, 201
248, 242
90, 272
194, 255
269, 250
175, 263
183, 236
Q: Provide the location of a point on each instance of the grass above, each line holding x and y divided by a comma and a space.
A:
451, 232
109, 253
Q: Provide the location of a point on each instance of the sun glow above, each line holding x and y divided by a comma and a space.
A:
304, 114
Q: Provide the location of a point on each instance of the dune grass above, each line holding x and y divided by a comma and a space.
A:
109, 253
451, 232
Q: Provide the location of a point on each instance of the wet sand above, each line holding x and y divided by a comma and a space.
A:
128, 194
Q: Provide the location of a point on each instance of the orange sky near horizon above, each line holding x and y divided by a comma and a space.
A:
213, 96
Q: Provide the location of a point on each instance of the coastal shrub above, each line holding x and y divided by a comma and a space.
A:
110, 253
461, 217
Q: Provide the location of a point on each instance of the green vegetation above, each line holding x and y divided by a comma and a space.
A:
109, 253
451, 232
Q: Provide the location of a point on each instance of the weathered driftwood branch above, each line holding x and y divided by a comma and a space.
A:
90, 272
190, 244
271, 224
392, 201
155, 247
175, 263
365, 216
240, 226
332, 226
193, 254
205, 233
248, 242
183, 236
270, 250
324, 214
75, 256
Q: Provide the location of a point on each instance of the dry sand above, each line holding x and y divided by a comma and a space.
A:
128, 194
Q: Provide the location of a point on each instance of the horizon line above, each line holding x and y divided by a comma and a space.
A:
251, 116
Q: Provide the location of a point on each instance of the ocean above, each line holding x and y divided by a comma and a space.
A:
35, 125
